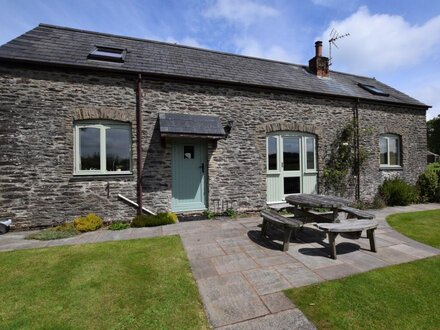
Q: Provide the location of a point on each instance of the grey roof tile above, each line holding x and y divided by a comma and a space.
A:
65, 46
190, 124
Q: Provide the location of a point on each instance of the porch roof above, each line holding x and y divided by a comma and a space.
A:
188, 125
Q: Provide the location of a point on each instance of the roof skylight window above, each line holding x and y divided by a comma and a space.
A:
107, 54
373, 90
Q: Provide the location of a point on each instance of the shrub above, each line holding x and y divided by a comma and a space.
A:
231, 213
209, 214
62, 231
428, 185
154, 220
118, 225
90, 222
378, 203
396, 191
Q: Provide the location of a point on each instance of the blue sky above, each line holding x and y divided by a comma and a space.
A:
398, 42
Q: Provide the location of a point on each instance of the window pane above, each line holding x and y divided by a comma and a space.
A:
292, 185
89, 147
188, 152
383, 151
118, 148
394, 147
291, 153
272, 153
310, 145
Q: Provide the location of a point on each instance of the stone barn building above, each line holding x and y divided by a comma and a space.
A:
87, 117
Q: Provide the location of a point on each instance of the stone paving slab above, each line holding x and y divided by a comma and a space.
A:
298, 275
233, 263
266, 280
292, 319
230, 299
277, 302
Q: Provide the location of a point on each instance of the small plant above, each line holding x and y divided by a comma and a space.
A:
428, 186
209, 214
231, 213
154, 220
396, 191
90, 222
62, 231
378, 203
118, 225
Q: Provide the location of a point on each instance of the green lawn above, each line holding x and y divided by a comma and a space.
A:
398, 297
420, 226
136, 284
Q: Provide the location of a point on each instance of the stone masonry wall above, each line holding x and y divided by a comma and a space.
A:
38, 109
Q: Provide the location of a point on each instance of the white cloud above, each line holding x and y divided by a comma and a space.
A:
381, 42
251, 47
243, 12
430, 95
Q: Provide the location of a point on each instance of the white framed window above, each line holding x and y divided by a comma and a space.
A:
102, 147
389, 146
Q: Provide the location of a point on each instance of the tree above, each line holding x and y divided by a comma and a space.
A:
434, 135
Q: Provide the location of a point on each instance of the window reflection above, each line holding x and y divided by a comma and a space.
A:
90, 148
310, 153
118, 149
272, 153
291, 153
292, 185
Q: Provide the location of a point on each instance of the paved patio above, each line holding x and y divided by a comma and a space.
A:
240, 276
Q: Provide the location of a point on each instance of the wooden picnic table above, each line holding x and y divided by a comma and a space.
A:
302, 204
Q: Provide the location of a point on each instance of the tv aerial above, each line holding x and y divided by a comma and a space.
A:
334, 35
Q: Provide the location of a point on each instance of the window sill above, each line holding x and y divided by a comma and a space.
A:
390, 168
102, 177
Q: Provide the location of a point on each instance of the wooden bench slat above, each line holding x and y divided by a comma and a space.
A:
360, 214
347, 226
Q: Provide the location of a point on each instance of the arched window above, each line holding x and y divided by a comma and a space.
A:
389, 145
102, 147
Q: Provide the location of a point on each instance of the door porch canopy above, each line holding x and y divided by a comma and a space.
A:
178, 125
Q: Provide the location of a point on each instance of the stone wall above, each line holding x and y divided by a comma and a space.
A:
38, 109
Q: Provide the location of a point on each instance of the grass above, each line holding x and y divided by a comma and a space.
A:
421, 226
135, 284
398, 297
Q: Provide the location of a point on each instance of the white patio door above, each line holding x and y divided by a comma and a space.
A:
291, 165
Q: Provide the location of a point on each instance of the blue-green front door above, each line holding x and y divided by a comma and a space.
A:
189, 169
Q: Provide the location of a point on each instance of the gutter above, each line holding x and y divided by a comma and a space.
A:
139, 143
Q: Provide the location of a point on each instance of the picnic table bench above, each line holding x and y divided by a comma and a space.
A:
356, 213
288, 225
352, 227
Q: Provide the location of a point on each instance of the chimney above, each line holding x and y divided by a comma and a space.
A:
319, 64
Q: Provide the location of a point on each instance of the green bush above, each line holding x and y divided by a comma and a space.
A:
428, 186
209, 214
118, 225
62, 231
378, 203
90, 222
154, 220
396, 191
231, 213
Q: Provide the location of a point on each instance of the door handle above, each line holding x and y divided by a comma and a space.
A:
202, 167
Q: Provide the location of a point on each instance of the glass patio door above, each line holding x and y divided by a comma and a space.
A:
291, 165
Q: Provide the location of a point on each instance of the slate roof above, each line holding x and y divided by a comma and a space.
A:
53, 45
185, 124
